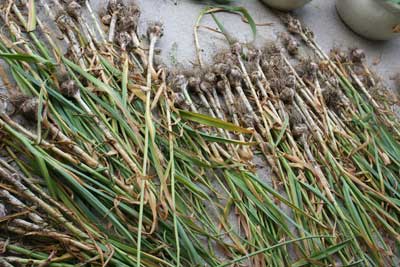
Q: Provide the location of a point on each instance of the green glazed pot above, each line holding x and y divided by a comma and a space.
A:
286, 5
373, 19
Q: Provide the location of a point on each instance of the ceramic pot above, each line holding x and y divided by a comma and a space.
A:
373, 19
286, 5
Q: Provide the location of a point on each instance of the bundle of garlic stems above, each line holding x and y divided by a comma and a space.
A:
110, 159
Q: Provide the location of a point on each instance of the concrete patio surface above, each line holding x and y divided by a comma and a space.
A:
179, 17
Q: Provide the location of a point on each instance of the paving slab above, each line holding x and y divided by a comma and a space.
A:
179, 17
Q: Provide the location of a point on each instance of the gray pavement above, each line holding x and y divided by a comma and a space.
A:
320, 15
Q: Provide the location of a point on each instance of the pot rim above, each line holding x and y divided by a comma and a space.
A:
390, 6
296, 2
